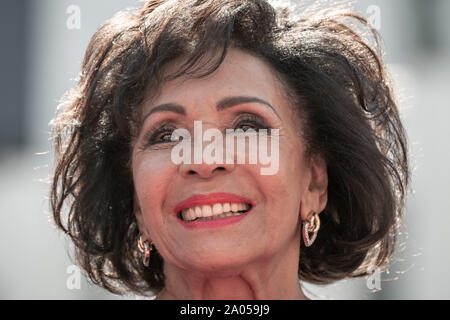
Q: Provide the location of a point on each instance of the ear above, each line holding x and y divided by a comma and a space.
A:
316, 196
140, 218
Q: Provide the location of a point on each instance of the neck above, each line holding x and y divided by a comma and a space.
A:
272, 279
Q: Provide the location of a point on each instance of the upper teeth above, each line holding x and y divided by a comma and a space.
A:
218, 209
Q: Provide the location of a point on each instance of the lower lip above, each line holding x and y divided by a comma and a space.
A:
200, 224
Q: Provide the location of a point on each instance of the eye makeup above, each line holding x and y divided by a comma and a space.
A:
160, 134
252, 121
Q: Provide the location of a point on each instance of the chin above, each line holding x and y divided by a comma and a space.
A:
219, 263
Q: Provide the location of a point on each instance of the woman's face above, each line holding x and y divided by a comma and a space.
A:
272, 224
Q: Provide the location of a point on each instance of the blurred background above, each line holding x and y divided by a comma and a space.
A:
43, 43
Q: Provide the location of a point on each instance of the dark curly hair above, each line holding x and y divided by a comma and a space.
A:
332, 70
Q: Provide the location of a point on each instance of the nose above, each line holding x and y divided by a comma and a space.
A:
202, 164
205, 170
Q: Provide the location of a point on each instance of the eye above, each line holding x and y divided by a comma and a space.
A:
159, 136
251, 122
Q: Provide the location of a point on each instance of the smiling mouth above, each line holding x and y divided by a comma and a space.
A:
213, 212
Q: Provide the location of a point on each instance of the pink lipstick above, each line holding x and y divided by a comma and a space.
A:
211, 199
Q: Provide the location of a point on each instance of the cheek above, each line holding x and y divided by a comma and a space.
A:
282, 197
284, 189
151, 174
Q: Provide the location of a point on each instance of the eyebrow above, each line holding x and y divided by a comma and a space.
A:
223, 104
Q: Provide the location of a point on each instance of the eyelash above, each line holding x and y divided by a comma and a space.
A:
151, 137
255, 121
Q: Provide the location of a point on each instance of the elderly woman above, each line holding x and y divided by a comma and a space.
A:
312, 87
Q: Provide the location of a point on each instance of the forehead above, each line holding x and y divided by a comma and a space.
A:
240, 74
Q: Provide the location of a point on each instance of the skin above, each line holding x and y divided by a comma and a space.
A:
256, 258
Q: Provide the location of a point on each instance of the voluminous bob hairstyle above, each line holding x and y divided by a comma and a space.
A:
335, 80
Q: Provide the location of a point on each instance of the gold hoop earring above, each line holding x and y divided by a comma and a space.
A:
311, 226
145, 248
